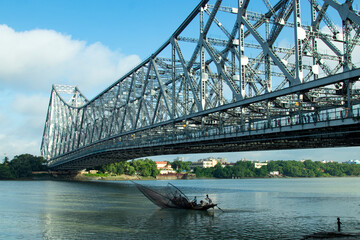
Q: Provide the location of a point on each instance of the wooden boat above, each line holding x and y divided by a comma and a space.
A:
172, 197
204, 207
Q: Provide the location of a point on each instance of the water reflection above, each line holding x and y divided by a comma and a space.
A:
173, 223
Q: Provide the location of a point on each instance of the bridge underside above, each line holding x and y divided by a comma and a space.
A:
291, 137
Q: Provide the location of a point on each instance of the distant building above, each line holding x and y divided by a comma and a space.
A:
210, 162
205, 163
324, 161
352, 162
274, 173
180, 159
259, 165
164, 167
160, 164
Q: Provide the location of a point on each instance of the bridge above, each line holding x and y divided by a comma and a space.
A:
228, 79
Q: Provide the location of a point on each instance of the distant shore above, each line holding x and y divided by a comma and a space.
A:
124, 177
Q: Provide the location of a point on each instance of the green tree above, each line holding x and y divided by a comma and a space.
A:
334, 169
6, 161
120, 168
180, 166
219, 171
294, 169
137, 164
351, 169
108, 168
146, 167
244, 169
204, 172
5, 172
23, 165
130, 170
228, 171
261, 172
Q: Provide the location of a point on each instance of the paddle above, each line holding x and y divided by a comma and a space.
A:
219, 208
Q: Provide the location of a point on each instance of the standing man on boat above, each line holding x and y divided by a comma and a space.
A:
208, 199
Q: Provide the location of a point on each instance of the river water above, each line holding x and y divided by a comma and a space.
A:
253, 209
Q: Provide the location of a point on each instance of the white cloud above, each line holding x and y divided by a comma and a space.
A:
32, 109
31, 61
22, 120
38, 58
30, 105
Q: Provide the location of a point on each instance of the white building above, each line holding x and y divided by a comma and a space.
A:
180, 159
353, 162
274, 173
205, 163
259, 165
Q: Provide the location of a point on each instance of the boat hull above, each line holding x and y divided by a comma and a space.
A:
203, 208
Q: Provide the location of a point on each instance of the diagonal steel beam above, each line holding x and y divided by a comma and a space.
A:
162, 88
269, 51
344, 11
186, 72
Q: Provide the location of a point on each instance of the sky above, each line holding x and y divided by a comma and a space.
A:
89, 44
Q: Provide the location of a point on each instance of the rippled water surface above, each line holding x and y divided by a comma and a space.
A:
254, 209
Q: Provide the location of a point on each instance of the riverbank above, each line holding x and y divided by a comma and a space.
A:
124, 177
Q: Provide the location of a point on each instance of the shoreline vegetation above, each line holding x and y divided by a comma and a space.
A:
29, 167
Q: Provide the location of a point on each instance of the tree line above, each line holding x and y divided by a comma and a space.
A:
144, 167
308, 168
21, 166
241, 169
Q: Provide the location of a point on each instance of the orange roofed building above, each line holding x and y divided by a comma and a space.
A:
164, 167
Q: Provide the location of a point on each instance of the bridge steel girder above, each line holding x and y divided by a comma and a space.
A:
243, 90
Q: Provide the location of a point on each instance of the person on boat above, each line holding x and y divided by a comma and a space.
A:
194, 201
179, 200
202, 203
208, 199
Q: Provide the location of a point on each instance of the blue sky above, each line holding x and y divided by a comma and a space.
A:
88, 43
133, 27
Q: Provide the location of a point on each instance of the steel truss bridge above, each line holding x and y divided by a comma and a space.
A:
228, 79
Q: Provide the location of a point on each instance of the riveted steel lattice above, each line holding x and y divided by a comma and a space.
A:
236, 75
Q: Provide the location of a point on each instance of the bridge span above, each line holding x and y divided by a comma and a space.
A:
228, 79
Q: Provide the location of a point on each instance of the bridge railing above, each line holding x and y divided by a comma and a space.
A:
255, 126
